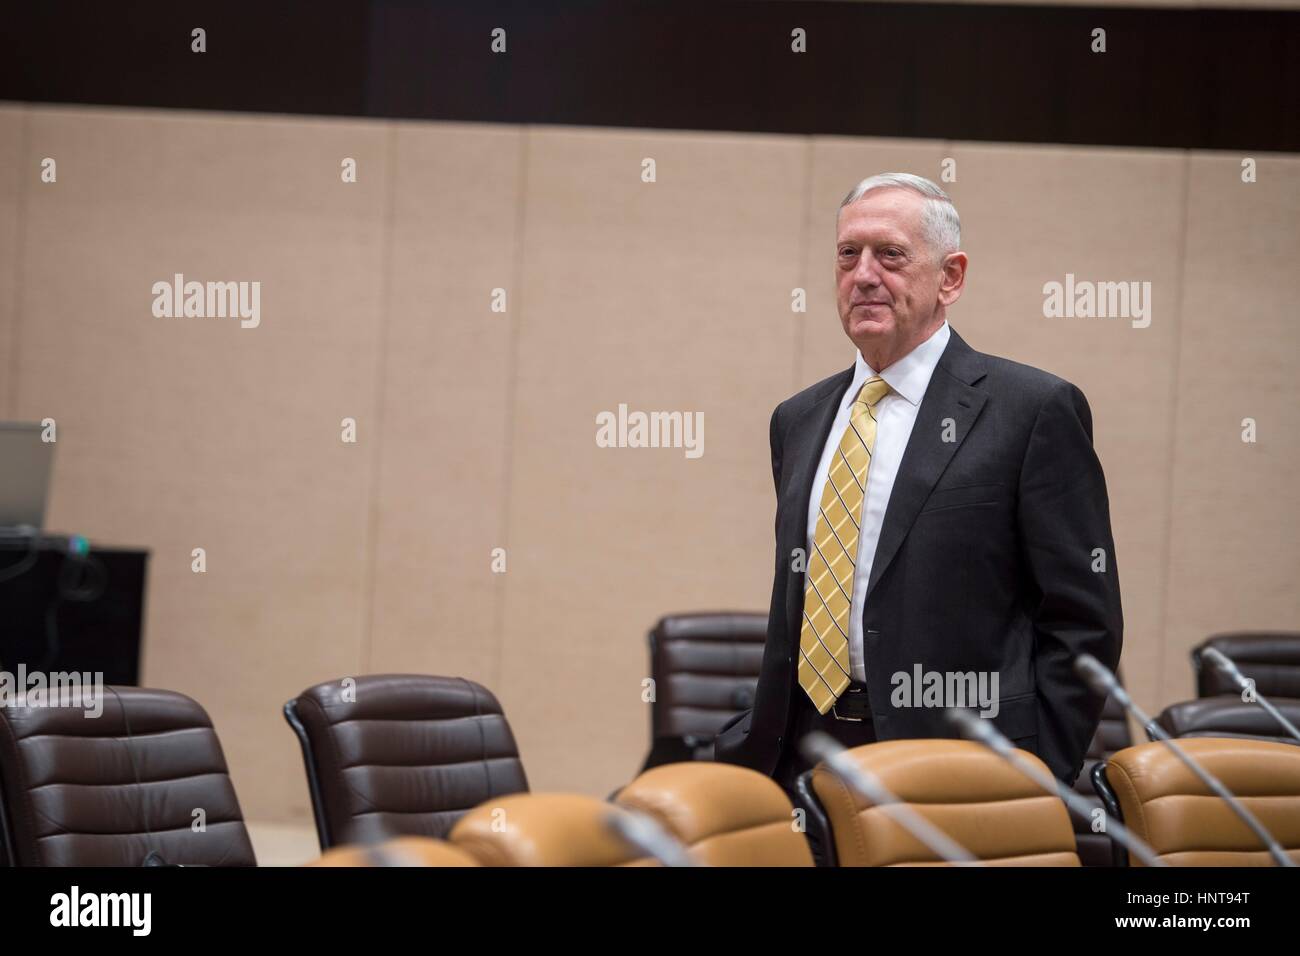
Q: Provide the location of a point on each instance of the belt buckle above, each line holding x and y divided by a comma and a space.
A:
855, 689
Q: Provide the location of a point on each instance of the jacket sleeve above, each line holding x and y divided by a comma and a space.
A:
774, 440
1064, 517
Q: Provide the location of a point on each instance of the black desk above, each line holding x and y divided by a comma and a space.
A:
65, 615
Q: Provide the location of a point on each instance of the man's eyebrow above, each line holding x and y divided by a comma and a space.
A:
891, 239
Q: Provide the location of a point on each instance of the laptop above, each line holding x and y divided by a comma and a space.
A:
25, 464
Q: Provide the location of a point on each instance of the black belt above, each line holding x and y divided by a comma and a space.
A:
853, 704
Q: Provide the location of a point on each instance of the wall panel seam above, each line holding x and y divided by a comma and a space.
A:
371, 549
514, 324
20, 260
1176, 387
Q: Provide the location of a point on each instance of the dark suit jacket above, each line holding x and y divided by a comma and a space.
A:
984, 563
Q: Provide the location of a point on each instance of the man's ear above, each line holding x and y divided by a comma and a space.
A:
953, 280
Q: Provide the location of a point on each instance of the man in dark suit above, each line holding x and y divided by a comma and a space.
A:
941, 518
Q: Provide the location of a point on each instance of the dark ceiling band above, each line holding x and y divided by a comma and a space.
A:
1194, 78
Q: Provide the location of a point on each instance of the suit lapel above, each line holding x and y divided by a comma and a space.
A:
950, 395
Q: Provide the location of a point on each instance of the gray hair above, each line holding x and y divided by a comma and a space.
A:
939, 219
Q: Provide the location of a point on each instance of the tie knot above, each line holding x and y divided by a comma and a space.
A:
873, 390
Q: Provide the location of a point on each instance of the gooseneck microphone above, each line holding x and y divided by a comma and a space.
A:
643, 832
982, 731
1229, 667
820, 747
1103, 682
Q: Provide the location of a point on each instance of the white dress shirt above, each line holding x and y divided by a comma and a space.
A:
895, 415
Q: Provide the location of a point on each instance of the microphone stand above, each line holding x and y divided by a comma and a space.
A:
1229, 667
643, 833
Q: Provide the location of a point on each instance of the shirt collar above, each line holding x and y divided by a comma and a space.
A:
910, 375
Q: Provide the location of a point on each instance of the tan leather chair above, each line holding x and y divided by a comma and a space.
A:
1164, 803
724, 814
988, 807
401, 851
544, 829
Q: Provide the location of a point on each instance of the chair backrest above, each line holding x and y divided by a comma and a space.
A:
1166, 805
972, 795
389, 755
544, 829
1228, 717
725, 815
105, 780
705, 668
1270, 658
399, 851
1096, 849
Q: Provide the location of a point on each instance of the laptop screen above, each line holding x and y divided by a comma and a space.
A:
25, 463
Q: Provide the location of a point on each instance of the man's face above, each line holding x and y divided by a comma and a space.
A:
887, 280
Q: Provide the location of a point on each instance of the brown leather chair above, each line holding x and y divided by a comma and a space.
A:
544, 829
705, 668
401, 754
112, 789
983, 803
1270, 658
1096, 849
723, 814
1229, 717
400, 851
1165, 804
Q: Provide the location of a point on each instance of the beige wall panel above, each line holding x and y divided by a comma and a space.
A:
1032, 214
14, 176
441, 501
666, 296
1235, 541
177, 433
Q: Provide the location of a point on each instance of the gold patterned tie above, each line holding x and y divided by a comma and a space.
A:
824, 639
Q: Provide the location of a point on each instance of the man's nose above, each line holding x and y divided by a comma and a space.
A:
867, 272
